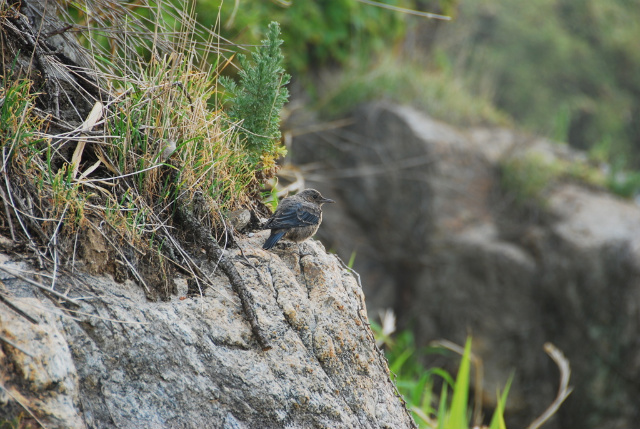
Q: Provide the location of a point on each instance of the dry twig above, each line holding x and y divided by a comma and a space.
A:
215, 252
17, 310
564, 390
39, 286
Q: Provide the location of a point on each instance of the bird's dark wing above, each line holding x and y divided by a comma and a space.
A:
273, 239
294, 215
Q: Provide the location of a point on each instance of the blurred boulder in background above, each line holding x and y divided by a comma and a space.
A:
441, 238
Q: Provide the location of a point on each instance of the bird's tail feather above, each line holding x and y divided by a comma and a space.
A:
272, 240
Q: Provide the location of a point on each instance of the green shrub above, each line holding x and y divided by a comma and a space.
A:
528, 178
257, 101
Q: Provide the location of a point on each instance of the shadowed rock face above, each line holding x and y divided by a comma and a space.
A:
437, 238
120, 360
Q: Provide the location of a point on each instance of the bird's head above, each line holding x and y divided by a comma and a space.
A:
314, 196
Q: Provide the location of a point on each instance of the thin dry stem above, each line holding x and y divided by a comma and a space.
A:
564, 390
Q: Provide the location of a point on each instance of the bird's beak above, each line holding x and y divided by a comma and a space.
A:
326, 200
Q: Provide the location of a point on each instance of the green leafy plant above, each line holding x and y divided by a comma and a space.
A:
20, 127
257, 100
445, 408
270, 198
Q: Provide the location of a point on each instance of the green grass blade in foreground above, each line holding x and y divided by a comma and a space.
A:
458, 412
352, 259
497, 421
442, 409
396, 365
418, 389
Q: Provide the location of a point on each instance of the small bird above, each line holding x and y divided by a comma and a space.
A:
296, 218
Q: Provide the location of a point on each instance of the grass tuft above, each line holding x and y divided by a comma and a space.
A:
530, 177
436, 399
157, 134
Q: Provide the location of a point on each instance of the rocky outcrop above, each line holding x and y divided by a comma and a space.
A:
439, 239
111, 358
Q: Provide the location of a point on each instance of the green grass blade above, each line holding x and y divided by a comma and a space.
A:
458, 411
497, 421
400, 360
442, 374
352, 259
417, 389
442, 409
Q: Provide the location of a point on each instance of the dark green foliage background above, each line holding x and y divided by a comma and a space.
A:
315, 32
566, 69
